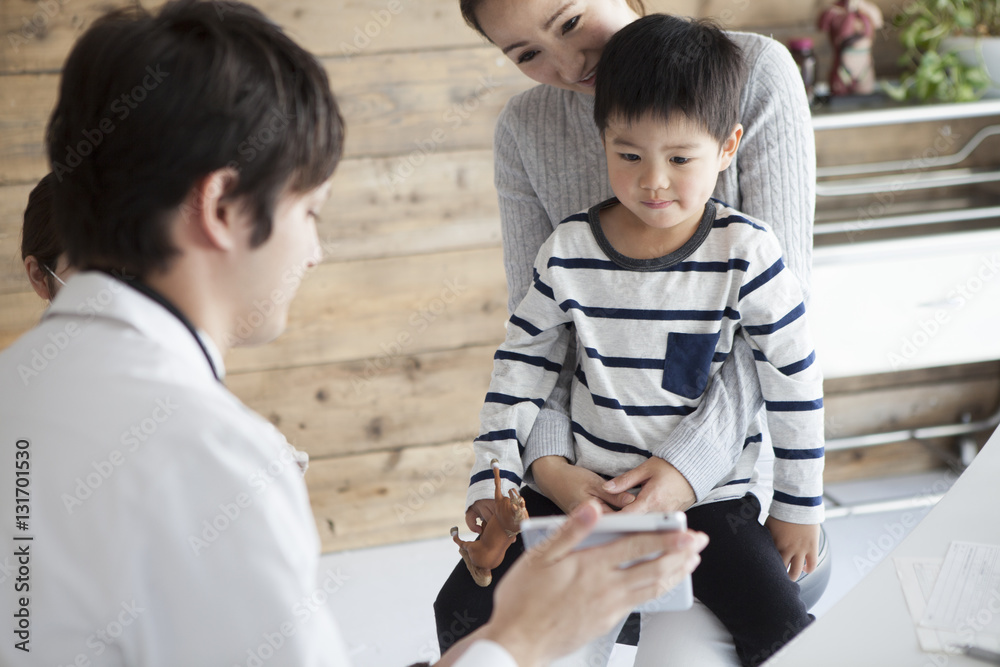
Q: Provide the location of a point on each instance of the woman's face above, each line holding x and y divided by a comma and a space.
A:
557, 42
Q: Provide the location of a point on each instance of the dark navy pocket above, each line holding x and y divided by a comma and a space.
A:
688, 362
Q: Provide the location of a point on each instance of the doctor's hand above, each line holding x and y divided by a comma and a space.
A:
554, 600
797, 543
664, 488
568, 485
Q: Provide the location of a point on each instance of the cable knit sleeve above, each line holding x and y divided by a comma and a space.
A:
776, 163
524, 227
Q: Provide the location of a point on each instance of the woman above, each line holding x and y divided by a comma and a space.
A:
549, 163
45, 262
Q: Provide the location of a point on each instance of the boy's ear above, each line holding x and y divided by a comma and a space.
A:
730, 146
213, 213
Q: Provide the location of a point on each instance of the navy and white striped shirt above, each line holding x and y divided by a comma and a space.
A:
650, 335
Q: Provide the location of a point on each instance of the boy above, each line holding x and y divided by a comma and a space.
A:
657, 282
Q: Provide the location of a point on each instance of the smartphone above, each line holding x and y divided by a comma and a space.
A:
610, 527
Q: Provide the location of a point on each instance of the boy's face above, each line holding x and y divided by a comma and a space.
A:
665, 172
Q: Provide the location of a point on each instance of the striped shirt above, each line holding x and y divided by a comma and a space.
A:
650, 334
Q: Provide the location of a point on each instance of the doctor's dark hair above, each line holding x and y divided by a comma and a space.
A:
470, 7
150, 104
662, 65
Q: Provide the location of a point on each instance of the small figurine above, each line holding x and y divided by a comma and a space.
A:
498, 533
851, 25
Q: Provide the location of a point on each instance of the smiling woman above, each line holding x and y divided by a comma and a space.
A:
549, 164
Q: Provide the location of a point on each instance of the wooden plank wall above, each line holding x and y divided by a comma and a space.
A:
388, 351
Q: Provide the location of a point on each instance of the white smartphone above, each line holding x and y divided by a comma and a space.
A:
611, 527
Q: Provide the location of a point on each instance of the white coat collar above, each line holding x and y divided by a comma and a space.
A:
92, 294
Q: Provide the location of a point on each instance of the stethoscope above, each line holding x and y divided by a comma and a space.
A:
148, 291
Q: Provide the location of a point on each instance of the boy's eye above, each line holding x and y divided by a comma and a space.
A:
569, 25
629, 157
680, 160
526, 56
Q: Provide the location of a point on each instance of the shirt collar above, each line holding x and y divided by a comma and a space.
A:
93, 294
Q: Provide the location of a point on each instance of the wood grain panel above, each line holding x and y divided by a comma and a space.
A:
412, 105
447, 203
387, 207
13, 199
399, 306
26, 102
371, 499
374, 404
39, 34
20, 312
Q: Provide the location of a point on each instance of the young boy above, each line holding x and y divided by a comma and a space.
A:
656, 283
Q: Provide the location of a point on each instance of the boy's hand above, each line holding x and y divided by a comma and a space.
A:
568, 485
481, 509
664, 488
797, 543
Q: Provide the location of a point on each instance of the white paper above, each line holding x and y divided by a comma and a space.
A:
965, 600
917, 577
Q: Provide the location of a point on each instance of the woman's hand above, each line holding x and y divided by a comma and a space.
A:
554, 600
664, 488
568, 485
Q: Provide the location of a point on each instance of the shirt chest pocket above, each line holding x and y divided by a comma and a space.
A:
688, 363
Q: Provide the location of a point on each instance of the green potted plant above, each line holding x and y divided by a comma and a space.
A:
948, 45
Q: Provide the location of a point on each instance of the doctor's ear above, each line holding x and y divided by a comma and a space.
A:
729, 147
211, 208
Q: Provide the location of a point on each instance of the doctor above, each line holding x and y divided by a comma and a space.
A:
149, 517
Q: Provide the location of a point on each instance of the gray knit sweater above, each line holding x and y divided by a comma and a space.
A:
549, 164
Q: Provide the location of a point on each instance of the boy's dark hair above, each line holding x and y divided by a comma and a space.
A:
662, 65
148, 105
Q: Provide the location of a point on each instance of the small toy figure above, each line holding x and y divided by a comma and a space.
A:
851, 24
498, 533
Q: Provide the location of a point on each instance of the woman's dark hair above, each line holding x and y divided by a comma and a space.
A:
662, 65
150, 104
469, 8
38, 236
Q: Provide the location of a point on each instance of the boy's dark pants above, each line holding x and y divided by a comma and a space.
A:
741, 579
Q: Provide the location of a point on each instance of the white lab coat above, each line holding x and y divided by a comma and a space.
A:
169, 524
